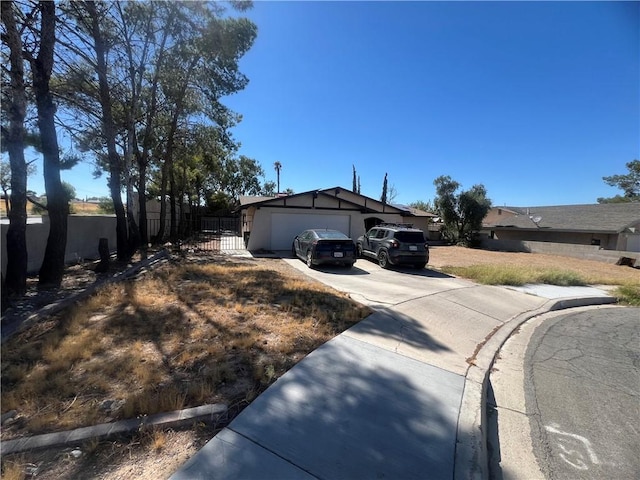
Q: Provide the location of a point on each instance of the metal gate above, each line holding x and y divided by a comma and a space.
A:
221, 234
212, 234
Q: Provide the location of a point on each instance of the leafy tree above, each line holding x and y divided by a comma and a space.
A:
629, 183
201, 69
245, 179
461, 212
268, 189
169, 64
421, 205
220, 204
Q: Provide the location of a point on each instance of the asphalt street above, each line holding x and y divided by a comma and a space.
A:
567, 397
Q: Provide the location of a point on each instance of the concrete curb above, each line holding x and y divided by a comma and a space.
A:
176, 418
471, 459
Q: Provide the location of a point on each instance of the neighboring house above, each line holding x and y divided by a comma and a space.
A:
271, 223
560, 229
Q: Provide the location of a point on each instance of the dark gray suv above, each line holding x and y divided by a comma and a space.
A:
394, 244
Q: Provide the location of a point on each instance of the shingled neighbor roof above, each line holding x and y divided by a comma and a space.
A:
605, 218
416, 212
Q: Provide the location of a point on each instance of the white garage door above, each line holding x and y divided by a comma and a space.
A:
285, 226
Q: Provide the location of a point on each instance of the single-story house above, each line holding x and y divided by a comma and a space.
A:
607, 226
271, 223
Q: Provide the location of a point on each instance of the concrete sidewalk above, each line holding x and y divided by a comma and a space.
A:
398, 396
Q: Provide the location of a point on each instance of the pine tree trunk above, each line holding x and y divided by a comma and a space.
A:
115, 169
15, 281
52, 269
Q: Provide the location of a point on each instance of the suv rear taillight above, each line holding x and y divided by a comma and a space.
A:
394, 243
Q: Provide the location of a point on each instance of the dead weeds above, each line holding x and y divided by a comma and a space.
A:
203, 329
185, 334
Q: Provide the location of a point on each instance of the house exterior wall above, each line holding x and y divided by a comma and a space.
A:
604, 226
606, 241
424, 224
631, 241
83, 235
259, 220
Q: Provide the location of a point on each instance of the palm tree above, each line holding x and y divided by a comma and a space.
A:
278, 167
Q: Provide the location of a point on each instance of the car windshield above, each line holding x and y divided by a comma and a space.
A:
332, 234
410, 237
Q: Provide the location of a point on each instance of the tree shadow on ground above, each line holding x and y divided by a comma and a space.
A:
408, 270
348, 410
390, 324
339, 270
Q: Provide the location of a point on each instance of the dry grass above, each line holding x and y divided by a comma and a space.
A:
508, 268
14, 468
186, 334
589, 272
217, 332
77, 208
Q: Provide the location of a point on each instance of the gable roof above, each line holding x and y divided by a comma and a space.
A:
605, 217
342, 195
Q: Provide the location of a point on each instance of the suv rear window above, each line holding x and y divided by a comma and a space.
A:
410, 237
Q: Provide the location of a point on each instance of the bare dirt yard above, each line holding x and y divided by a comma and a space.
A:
157, 454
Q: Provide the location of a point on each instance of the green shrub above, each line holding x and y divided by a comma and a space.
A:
628, 294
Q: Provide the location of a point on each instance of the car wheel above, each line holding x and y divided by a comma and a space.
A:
359, 251
383, 259
293, 250
309, 259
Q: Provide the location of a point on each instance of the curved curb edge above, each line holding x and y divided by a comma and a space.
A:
471, 459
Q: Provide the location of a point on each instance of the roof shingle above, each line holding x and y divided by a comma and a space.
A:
605, 217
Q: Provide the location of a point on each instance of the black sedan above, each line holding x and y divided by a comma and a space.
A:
323, 246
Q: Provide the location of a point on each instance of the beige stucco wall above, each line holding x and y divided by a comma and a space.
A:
256, 223
422, 223
259, 221
83, 234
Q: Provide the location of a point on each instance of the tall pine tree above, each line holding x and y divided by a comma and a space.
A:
383, 198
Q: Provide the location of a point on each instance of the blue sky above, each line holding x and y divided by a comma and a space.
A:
535, 100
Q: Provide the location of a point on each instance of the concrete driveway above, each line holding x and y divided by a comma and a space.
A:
399, 395
421, 313
371, 285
